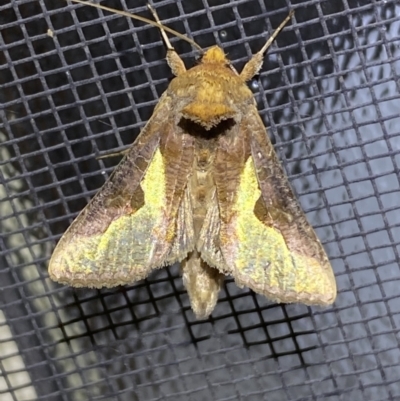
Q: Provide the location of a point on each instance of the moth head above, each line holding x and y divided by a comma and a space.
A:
214, 55
211, 97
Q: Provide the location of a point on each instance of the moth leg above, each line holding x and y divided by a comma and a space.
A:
174, 61
202, 283
113, 154
255, 63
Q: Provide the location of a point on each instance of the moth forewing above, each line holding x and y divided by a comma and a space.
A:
201, 185
276, 253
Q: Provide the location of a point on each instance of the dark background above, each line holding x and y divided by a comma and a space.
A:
329, 95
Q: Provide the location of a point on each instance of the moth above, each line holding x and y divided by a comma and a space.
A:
201, 185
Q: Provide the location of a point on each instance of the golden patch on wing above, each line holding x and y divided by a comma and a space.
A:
261, 260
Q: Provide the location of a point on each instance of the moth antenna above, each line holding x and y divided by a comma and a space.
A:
174, 61
143, 19
163, 34
254, 64
276, 33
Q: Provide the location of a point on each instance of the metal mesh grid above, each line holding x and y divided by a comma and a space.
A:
77, 82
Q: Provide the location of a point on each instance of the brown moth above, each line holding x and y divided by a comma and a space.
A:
201, 185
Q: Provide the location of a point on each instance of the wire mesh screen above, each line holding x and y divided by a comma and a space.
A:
77, 82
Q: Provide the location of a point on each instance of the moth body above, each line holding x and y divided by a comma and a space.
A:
201, 185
